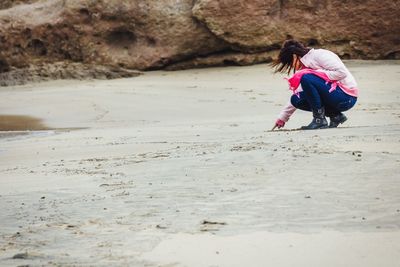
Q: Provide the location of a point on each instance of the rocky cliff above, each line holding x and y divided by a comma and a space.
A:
174, 34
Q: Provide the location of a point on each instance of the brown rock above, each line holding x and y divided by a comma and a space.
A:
356, 29
4, 4
133, 34
245, 24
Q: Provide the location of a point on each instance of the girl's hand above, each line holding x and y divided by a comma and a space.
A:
279, 123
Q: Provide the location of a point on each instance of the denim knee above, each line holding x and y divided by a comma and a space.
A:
295, 101
300, 102
306, 79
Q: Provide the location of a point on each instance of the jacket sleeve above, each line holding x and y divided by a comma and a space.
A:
286, 112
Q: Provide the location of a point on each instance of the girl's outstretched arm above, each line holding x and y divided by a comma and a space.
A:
285, 114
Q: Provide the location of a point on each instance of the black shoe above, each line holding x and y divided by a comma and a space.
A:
336, 120
319, 121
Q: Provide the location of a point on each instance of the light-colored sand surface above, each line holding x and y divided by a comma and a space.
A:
179, 169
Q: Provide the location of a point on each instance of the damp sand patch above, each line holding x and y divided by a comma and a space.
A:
16, 125
21, 123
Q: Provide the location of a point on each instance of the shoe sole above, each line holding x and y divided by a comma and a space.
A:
323, 127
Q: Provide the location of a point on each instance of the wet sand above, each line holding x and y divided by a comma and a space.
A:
180, 169
20, 123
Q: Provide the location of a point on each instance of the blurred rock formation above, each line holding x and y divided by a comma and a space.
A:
177, 34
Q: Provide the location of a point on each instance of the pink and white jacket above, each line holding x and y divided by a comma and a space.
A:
326, 65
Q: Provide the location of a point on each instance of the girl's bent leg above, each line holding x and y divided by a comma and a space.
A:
300, 102
346, 101
317, 92
312, 86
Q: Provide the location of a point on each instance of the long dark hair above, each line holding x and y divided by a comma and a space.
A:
284, 62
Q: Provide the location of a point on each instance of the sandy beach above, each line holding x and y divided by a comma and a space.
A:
181, 169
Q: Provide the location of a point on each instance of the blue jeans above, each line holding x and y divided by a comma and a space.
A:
316, 95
